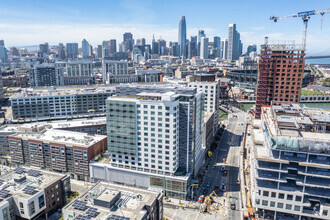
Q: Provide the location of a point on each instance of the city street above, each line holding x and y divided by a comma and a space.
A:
227, 155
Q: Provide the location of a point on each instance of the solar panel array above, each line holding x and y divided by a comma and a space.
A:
80, 205
34, 173
92, 212
117, 217
30, 190
82, 217
4, 193
19, 170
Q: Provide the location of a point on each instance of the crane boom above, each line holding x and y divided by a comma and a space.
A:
305, 15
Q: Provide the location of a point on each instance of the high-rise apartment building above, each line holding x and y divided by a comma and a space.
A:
46, 75
182, 36
72, 50
85, 48
280, 74
3, 54
154, 135
234, 43
204, 52
290, 163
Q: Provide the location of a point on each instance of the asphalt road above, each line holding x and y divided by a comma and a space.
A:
228, 155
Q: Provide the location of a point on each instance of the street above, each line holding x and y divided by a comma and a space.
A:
227, 155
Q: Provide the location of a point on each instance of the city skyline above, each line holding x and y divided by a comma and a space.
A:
68, 23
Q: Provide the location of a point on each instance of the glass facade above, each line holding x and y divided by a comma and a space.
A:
121, 127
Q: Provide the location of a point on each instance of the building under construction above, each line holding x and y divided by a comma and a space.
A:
280, 74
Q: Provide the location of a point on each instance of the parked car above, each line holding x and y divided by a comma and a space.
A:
232, 206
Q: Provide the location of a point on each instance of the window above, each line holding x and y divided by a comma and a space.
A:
32, 208
325, 212
297, 208
273, 195
281, 196
272, 204
288, 206
41, 200
280, 205
266, 193
21, 205
298, 198
265, 202
289, 197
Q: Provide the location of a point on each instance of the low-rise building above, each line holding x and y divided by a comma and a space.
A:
56, 150
58, 102
290, 163
113, 202
30, 194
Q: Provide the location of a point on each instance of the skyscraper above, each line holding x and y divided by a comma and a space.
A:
234, 43
72, 50
128, 41
3, 54
44, 48
113, 46
192, 47
204, 53
280, 74
161, 46
200, 35
251, 47
99, 51
216, 45
2, 43
182, 36
224, 49
61, 51
85, 48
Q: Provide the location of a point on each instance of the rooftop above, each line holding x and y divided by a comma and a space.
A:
106, 201
24, 182
33, 92
296, 128
42, 133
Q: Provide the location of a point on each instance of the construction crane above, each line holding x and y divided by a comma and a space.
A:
305, 15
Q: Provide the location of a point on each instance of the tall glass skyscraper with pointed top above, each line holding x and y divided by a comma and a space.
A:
182, 36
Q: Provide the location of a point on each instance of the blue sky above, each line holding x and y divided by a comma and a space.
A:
32, 22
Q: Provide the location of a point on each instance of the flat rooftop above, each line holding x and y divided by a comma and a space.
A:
14, 182
108, 200
33, 92
59, 136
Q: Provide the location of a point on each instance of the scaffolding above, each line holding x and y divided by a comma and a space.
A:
263, 79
